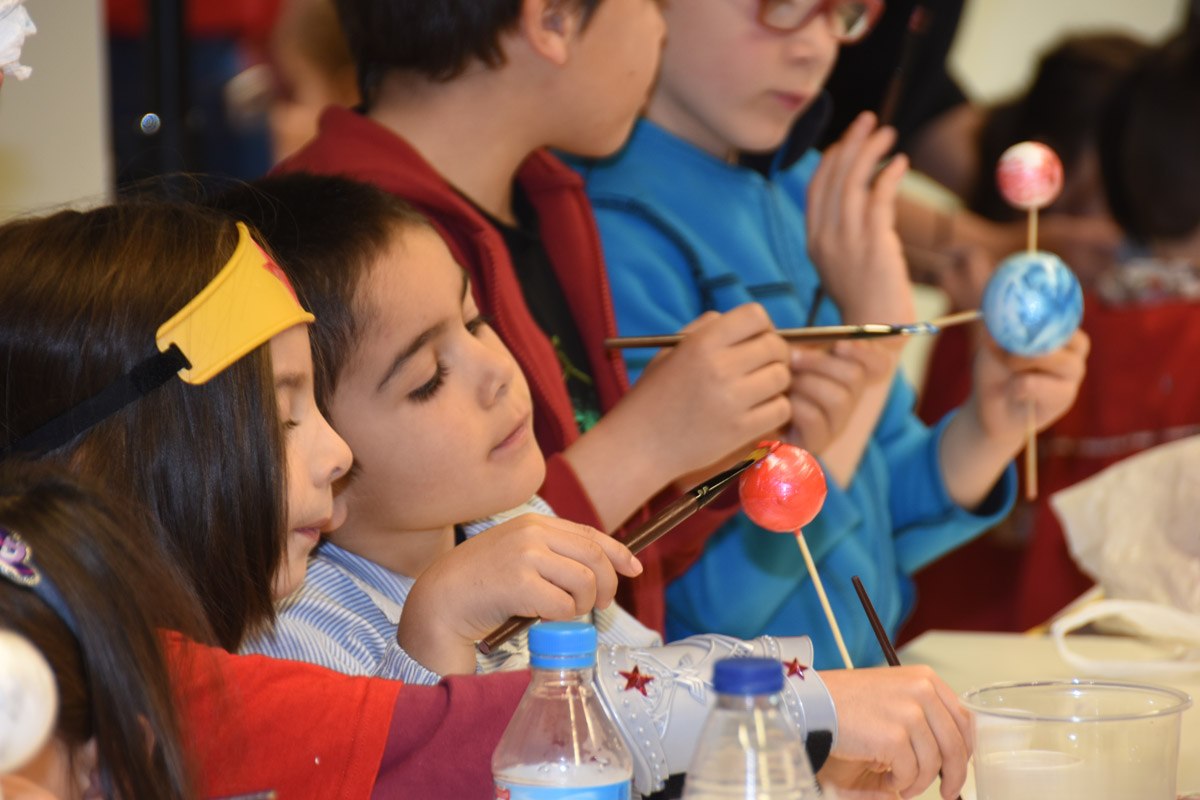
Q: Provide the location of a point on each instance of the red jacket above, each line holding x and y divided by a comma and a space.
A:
254, 724
350, 144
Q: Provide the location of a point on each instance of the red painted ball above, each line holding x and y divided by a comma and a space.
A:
784, 490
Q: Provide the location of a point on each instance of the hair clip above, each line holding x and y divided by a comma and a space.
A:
16, 565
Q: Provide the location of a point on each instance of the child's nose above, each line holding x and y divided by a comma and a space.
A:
338, 457
496, 374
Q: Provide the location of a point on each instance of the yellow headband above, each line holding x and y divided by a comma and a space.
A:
248, 302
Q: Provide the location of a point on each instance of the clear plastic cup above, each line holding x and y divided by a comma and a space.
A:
1076, 740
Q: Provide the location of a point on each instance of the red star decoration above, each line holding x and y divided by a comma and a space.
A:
794, 667
636, 680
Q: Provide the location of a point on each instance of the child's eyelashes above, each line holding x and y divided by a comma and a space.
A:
291, 424
478, 322
430, 387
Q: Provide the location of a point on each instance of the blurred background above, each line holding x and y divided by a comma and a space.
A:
129, 88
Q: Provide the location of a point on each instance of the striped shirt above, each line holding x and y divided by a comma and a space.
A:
345, 616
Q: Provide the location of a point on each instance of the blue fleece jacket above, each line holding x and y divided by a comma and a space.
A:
683, 233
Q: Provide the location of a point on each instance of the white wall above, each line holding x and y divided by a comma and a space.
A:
54, 127
999, 41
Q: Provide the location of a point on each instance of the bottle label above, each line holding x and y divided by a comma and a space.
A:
518, 791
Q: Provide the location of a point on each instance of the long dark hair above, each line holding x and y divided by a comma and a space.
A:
81, 296
1150, 144
121, 592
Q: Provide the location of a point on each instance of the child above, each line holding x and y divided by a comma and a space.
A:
1142, 312
234, 474
67, 563
460, 100
438, 413
685, 229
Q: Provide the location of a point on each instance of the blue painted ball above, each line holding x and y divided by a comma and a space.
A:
1032, 304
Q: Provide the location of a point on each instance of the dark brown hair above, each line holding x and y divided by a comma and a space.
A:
1062, 108
437, 40
81, 296
121, 592
1150, 145
327, 233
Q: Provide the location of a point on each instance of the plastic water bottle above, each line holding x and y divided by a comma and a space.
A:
749, 747
561, 744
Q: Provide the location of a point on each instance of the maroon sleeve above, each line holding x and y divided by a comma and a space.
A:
254, 724
441, 739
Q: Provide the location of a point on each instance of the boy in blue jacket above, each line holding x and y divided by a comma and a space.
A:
686, 229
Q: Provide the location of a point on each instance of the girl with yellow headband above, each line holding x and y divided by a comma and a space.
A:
204, 426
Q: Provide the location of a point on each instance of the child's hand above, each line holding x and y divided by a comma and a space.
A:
851, 221
897, 728
827, 385
981, 440
724, 386
1005, 383
531, 566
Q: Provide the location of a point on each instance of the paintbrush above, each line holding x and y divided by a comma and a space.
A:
820, 333
645, 535
885, 644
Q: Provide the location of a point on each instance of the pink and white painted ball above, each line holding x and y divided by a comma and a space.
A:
1030, 175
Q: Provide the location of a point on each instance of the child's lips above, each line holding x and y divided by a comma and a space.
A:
314, 530
793, 101
516, 436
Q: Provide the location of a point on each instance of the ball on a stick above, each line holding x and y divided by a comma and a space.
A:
784, 490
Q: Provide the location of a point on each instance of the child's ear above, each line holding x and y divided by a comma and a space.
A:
548, 26
86, 764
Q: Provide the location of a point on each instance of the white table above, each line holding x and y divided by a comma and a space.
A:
969, 660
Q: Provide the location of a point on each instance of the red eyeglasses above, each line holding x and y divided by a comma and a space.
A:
852, 19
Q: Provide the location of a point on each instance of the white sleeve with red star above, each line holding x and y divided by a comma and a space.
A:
661, 696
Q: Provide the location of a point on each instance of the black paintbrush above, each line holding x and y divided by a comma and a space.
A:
646, 534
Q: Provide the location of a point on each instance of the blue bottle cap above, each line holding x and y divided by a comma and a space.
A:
562, 645
747, 676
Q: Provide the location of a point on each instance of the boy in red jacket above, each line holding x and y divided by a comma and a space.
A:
461, 100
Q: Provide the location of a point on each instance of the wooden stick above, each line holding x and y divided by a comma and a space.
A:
957, 318
1031, 476
816, 579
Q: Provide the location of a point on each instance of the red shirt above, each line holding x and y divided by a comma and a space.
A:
254, 723
349, 144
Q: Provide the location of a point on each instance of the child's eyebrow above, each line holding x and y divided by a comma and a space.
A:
410, 351
421, 340
290, 380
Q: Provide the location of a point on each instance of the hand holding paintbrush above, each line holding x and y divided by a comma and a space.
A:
885, 643
644, 536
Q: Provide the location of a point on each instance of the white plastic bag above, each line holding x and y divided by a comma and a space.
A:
1178, 632
15, 26
1135, 527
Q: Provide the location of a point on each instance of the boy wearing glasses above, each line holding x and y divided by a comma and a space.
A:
687, 229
